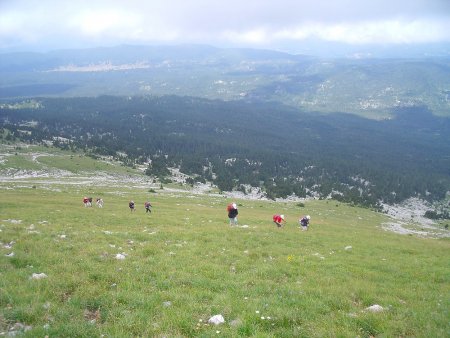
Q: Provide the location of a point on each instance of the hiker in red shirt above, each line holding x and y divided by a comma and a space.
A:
279, 220
87, 201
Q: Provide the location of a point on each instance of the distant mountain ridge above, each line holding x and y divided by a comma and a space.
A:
371, 88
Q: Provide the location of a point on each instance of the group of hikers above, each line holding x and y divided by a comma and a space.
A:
147, 205
279, 220
303, 221
87, 201
232, 210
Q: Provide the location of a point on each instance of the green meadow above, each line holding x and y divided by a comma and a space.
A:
183, 264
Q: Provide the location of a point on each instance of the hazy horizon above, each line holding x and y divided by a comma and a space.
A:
337, 28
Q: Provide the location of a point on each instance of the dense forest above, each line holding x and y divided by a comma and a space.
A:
279, 149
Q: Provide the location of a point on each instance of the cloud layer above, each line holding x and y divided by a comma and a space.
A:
252, 23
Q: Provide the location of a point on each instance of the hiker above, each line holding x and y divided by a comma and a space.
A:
279, 220
99, 202
87, 201
304, 222
148, 207
131, 205
232, 213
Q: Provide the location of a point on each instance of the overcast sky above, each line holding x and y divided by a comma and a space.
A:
287, 24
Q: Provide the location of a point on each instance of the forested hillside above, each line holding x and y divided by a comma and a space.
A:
236, 144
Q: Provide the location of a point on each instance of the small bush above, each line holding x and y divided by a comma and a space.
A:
431, 214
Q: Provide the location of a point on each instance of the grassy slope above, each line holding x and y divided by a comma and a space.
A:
186, 254
43, 158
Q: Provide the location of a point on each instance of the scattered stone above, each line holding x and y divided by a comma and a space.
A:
375, 308
167, 304
10, 254
9, 245
216, 320
120, 256
38, 275
349, 247
62, 236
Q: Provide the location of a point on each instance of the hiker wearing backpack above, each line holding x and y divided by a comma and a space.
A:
99, 202
87, 201
148, 207
304, 222
279, 220
232, 213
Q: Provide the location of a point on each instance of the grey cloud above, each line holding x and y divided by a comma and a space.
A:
222, 22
